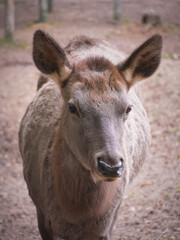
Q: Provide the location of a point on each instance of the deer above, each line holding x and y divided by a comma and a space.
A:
85, 135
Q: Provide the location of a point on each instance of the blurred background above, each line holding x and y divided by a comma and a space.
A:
151, 206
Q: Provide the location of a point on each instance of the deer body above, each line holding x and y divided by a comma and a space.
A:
80, 151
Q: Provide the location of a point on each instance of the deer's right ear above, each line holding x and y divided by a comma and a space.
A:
49, 57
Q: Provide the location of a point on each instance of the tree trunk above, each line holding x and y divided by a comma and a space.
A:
50, 6
117, 10
9, 20
43, 10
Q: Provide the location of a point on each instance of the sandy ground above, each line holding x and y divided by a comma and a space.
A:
151, 207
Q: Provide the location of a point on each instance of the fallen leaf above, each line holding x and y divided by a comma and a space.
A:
145, 185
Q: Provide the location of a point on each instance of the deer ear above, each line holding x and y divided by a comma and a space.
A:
49, 57
143, 62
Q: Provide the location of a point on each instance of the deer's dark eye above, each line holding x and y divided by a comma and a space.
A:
72, 108
129, 108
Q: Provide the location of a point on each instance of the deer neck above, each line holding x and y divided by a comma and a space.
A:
77, 194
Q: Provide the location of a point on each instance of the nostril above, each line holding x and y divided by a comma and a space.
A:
119, 165
109, 171
99, 159
102, 167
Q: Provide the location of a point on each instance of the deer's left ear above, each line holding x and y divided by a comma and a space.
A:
143, 62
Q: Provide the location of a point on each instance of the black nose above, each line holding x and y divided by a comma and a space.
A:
110, 171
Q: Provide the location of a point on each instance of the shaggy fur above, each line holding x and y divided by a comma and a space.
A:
73, 201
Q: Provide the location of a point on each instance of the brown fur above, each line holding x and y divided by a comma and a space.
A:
41, 81
81, 41
74, 199
74, 184
98, 74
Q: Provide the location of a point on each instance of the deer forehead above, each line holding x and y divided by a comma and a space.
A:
92, 98
97, 82
98, 75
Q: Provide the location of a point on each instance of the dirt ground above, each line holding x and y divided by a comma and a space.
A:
151, 206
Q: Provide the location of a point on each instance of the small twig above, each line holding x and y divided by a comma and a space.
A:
162, 234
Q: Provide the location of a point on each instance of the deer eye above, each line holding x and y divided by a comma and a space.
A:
129, 108
72, 108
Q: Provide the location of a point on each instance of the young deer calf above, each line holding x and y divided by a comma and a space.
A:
80, 142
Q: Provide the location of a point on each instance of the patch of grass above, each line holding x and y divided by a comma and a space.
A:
12, 44
133, 194
34, 23
174, 29
167, 195
2, 5
18, 4
54, 24
174, 129
30, 24
126, 20
167, 56
171, 29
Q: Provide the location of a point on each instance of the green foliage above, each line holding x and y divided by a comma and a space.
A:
18, 4
2, 5
167, 56
174, 129
133, 194
171, 29
12, 44
126, 20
